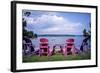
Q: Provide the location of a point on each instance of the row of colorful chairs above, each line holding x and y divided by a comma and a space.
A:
46, 50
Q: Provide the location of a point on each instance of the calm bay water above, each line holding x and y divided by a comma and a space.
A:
58, 40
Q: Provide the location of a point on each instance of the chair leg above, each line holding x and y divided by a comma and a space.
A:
73, 50
49, 53
39, 52
65, 52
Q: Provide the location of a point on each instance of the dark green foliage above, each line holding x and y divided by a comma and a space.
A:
27, 14
30, 34
24, 22
85, 33
27, 33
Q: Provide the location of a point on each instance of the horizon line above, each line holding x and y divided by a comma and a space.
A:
57, 35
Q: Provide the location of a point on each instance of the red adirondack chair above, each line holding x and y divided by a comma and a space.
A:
70, 47
44, 48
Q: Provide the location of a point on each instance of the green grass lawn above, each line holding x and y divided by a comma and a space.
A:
56, 57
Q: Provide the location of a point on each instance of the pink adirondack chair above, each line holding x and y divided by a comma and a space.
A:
44, 48
70, 47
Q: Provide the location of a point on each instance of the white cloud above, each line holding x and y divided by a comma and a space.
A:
53, 24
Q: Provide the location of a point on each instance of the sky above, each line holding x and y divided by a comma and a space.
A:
62, 23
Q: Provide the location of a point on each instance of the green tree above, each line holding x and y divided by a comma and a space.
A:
30, 34
27, 13
84, 33
24, 22
26, 33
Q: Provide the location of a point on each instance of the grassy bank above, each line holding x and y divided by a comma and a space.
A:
57, 57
